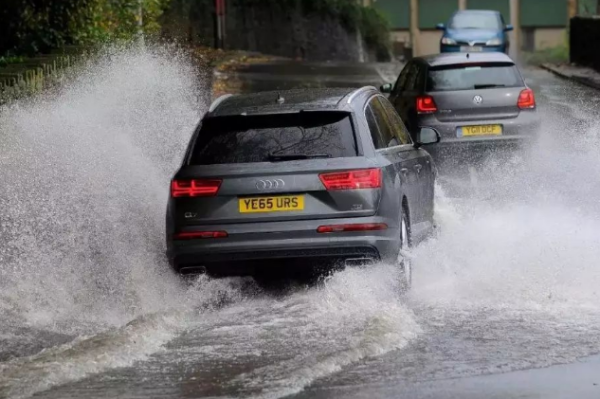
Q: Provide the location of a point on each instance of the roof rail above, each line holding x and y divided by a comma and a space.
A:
218, 101
358, 91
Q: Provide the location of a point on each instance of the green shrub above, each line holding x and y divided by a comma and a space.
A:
554, 55
34, 26
10, 59
375, 27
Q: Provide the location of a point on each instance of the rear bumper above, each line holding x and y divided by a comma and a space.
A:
517, 132
525, 126
465, 150
288, 244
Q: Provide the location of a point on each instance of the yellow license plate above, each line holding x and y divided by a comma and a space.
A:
272, 204
480, 130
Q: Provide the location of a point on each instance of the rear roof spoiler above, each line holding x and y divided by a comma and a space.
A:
218, 101
355, 93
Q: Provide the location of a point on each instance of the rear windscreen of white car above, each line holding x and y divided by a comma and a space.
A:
267, 138
471, 77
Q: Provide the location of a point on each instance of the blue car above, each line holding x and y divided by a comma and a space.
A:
475, 31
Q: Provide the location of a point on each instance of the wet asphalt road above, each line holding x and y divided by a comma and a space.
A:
505, 302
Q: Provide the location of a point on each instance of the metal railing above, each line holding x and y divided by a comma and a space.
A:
35, 74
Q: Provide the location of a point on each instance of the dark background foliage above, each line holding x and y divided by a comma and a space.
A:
36, 26
31, 27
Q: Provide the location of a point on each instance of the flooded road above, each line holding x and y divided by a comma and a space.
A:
90, 309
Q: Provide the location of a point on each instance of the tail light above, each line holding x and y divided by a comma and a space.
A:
195, 188
526, 99
194, 235
352, 180
337, 228
426, 105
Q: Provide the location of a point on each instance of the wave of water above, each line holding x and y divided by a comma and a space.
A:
83, 173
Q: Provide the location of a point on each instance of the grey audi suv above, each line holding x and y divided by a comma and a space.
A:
277, 180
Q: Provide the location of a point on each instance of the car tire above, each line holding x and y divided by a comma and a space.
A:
404, 261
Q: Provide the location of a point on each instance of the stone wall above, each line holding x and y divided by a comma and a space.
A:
289, 32
276, 28
190, 21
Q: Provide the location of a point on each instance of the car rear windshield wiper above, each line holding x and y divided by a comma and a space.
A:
488, 86
293, 157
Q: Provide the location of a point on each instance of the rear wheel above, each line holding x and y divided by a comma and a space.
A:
403, 259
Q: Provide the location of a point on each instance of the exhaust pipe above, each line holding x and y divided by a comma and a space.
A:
359, 262
193, 270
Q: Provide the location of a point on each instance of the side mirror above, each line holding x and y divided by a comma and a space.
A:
440, 27
427, 135
386, 88
508, 28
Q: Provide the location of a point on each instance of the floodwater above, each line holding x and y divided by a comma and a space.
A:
89, 308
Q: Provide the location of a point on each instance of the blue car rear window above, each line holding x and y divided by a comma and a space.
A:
475, 21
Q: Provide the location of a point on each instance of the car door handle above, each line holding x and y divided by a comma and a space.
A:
418, 168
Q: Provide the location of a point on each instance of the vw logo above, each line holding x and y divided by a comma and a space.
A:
477, 100
270, 184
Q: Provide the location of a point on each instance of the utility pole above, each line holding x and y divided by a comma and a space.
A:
141, 22
224, 22
414, 27
515, 20
462, 4
219, 23
359, 36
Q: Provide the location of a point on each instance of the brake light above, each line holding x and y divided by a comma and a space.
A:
193, 235
352, 179
195, 188
526, 99
426, 105
337, 228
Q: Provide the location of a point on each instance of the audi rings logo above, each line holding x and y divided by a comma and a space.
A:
477, 100
270, 184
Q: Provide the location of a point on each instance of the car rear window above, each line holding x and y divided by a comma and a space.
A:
247, 139
475, 20
470, 77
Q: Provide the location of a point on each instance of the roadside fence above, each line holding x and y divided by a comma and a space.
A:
25, 78
583, 41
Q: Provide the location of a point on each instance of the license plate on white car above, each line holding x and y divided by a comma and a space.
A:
479, 130
471, 49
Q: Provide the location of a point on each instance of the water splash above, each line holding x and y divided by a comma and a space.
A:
83, 174
527, 235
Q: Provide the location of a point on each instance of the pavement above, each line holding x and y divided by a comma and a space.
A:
576, 380
582, 75
505, 301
